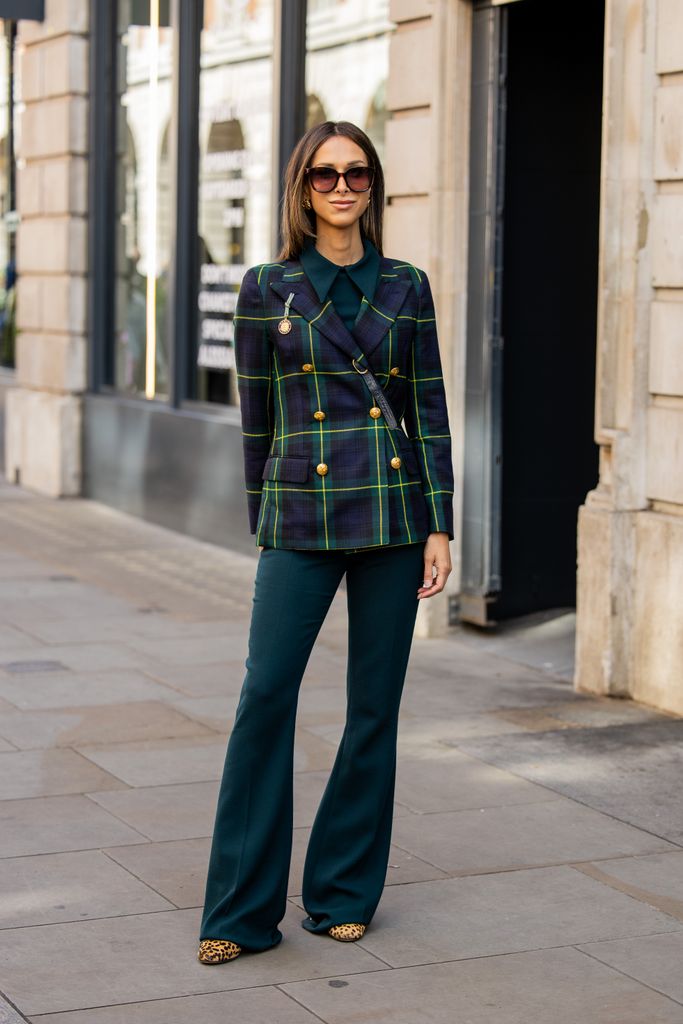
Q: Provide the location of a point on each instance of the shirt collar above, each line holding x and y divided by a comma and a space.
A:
323, 272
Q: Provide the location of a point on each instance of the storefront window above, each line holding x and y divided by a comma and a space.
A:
9, 106
235, 177
347, 64
143, 211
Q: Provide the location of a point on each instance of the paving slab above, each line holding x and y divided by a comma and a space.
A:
192, 650
47, 690
9, 1014
629, 771
511, 911
70, 887
453, 783
176, 869
557, 985
543, 639
112, 723
450, 691
655, 960
267, 1005
11, 637
209, 680
498, 838
185, 811
153, 956
128, 624
28, 773
161, 762
80, 657
216, 712
656, 879
60, 823
26, 612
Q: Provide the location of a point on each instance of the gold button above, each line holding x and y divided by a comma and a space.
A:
393, 371
307, 367
375, 412
396, 462
321, 468
319, 414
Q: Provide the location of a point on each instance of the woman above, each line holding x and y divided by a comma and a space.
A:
335, 344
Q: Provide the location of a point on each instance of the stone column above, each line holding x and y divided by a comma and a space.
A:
43, 415
426, 166
630, 549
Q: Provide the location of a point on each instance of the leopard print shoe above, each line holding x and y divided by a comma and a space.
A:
347, 932
217, 951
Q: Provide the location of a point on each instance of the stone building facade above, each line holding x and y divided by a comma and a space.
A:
628, 526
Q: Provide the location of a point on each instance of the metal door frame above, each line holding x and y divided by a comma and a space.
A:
482, 485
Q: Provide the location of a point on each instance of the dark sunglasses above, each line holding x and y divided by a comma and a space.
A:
324, 179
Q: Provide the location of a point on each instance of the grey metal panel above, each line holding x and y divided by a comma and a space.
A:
26, 10
178, 468
483, 376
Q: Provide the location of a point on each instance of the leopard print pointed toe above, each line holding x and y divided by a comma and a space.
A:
347, 932
217, 951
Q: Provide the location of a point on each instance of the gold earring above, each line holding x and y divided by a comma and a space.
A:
306, 203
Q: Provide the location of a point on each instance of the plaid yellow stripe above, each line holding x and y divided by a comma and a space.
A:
363, 498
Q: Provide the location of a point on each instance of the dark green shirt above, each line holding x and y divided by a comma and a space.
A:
344, 285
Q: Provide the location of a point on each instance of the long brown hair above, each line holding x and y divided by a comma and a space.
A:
298, 223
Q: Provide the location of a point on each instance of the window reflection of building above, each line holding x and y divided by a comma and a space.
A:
346, 69
315, 112
222, 192
143, 198
347, 62
235, 216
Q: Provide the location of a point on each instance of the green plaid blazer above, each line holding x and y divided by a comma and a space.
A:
321, 469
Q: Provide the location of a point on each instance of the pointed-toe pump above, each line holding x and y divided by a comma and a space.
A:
347, 932
217, 951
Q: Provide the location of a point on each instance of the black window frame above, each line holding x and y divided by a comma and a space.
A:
289, 107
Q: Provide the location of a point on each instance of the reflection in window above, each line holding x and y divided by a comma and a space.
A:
143, 111
9, 105
347, 63
235, 199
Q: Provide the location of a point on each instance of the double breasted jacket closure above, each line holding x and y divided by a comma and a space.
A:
323, 469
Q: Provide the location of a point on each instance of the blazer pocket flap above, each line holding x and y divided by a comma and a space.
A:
294, 468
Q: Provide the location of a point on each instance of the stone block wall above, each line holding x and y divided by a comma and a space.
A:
427, 192
43, 413
630, 552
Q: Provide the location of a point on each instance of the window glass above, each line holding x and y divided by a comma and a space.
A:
9, 109
235, 180
143, 212
347, 64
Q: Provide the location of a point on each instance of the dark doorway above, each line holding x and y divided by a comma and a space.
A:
549, 302
544, 217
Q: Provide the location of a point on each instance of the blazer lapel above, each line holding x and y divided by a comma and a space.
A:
373, 320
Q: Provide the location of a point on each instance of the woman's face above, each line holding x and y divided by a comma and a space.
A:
341, 207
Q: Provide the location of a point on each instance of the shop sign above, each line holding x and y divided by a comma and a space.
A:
223, 191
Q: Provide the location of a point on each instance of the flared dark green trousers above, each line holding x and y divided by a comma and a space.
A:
348, 849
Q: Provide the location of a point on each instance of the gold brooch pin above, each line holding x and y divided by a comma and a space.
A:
285, 325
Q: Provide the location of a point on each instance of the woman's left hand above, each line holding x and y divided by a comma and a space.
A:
437, 553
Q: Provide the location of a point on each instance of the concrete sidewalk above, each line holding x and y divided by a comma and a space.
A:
536, 874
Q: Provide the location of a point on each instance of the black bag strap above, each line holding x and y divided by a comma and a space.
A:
378, 395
